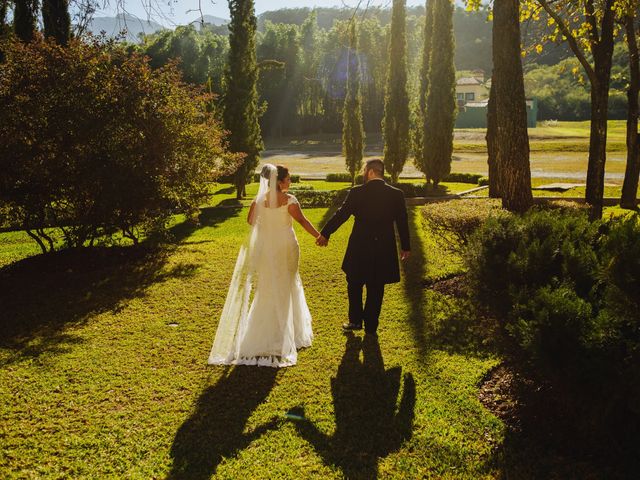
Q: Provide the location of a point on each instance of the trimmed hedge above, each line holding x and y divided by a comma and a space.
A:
463, 178
345, 177
321, 198
256, 178
473, 178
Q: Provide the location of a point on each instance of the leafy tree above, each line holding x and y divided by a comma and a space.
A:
280, 81
101, 144
25, 14
241, 97
56, 19
395, 124
511, 137
441, 104
588, 27
352, 131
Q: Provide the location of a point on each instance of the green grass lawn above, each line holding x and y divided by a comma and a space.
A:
98, 381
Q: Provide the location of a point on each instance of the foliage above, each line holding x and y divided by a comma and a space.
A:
563, 94
25, 15
395, 124
440, 108
201, 55
345, 177
95, 142
352, 129
56, 20
463, 177
256, 178
320, 198
420, 110
453, 222
241, 97
566, 293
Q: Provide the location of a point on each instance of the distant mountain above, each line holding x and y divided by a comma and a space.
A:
217, 21
133, 26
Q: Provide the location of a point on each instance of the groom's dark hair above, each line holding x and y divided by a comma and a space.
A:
376, 165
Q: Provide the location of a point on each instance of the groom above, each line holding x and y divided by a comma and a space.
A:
371, 259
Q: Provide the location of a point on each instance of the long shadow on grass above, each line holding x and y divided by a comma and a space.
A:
215, 430
209, 217
413, 270
43, 296
369, 422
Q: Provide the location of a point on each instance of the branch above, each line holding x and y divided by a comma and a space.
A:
591, 18
571, 40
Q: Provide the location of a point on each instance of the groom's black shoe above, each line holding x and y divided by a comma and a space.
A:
349, 327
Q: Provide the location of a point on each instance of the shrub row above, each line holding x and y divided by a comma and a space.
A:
321, 199
473, 178
567, 294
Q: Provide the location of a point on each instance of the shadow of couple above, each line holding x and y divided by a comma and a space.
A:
370, 423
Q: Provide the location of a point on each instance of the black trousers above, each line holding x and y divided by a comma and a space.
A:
370, 312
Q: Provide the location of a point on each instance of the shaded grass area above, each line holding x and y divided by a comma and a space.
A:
104, 371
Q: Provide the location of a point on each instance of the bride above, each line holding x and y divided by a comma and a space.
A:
265, 318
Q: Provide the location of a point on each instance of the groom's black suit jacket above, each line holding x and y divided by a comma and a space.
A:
371, 255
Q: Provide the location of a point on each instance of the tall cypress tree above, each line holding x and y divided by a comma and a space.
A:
352, 130
56, 19
441, 101
421, 120
241, 99
24, 19
395, 125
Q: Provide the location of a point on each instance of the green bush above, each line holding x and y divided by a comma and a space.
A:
483, 181
410, 190
453, 222
473, 178
321, 198
95, 143
567, 293
299, 188
345, 177
256, 178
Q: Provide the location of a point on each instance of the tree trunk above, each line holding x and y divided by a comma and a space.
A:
512, 156
597, 150
632, 172
492, 146
602, 57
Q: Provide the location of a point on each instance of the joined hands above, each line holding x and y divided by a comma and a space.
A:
321, 241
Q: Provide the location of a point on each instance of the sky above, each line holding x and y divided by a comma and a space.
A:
178, 11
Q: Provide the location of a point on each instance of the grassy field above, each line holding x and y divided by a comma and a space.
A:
103, 370
558, 150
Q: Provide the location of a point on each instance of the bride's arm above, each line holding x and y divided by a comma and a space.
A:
252, 210
296, 212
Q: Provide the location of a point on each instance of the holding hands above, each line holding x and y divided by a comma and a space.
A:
321, 241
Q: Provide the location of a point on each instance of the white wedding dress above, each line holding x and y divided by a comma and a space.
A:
265, 318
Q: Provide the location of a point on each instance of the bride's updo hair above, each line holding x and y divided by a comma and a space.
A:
266, 171
283, 172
